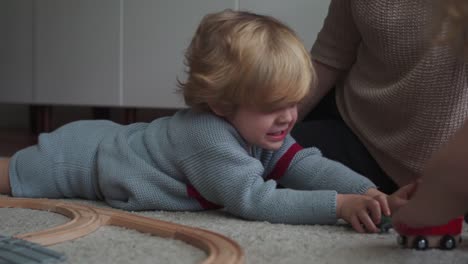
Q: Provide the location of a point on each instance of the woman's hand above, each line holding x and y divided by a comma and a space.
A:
402, 196
361, 211
391, 203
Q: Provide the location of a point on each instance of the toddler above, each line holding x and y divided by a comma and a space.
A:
230, 149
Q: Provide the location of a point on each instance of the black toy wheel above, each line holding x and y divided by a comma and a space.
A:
466, 218
448, 242
385, 227
385, 224
420, 243
401, 240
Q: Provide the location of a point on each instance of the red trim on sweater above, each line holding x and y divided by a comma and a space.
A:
283, 163
278, 172
192, 192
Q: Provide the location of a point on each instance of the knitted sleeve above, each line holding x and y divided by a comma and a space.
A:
309, 170
339, 38
229, 177
306, 169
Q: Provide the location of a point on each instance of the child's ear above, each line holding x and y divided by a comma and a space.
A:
218, 108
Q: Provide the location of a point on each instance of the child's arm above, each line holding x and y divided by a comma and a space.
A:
309, 170
361, 211
234, 181
229, 177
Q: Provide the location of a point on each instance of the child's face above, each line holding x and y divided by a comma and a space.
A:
266, 129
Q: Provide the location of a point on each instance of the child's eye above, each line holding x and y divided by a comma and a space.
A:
268, 109
286, 106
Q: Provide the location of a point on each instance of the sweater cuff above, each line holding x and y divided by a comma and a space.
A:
324, 209
365, 187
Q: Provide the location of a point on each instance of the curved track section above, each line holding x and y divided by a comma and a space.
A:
87, 219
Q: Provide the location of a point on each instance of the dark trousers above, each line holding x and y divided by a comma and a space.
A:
325, 129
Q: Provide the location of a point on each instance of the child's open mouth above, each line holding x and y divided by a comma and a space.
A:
278, 135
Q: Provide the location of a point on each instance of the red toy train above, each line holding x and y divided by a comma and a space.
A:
446, 236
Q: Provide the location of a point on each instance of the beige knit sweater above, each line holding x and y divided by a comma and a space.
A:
403, 96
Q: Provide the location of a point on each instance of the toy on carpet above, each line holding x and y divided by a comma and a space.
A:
19, 251
446, 236
385, 224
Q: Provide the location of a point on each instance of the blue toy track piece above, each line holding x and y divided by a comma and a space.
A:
19, 251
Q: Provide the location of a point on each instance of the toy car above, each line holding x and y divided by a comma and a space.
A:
385, 224
446, 236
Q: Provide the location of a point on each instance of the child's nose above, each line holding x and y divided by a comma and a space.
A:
288, 114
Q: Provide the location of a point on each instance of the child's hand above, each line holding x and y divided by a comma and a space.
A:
361, 211
382, 198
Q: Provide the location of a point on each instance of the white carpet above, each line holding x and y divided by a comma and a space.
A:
262, 242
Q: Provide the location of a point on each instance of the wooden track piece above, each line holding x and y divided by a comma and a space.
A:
86, 219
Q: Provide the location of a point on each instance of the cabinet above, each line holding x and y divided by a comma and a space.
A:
77, 52
156, 34
16, 51
126, 53
304, 16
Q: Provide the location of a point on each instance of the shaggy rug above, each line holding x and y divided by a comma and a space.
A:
262, 242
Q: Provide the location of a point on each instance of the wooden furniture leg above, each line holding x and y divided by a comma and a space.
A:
130, 115
101, 113
41, 118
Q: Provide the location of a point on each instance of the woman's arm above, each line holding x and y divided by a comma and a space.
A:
327, 77
333, 53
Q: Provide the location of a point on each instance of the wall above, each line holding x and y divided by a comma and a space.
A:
305, 16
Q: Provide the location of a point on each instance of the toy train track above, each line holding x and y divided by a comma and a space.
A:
87, 219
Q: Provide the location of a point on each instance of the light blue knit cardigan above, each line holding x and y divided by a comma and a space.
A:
190, 161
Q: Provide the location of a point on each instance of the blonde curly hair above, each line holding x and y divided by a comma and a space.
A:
241, 58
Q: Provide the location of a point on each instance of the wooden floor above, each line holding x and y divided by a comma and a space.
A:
12, 140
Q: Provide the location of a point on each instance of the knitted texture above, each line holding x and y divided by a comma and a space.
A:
404, 95
190, 161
